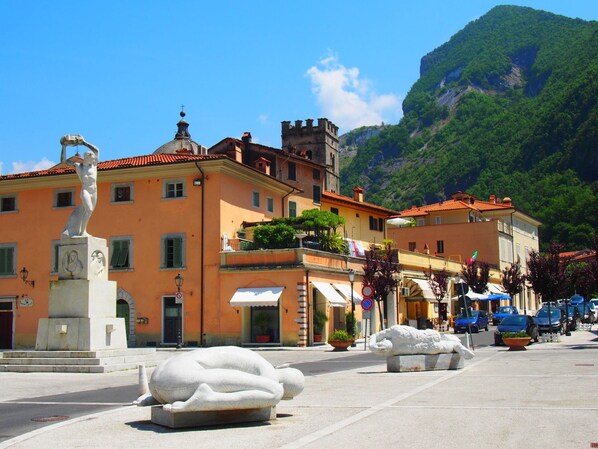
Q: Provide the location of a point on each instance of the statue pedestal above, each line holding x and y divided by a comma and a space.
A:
82, 302
177, 420
424, 362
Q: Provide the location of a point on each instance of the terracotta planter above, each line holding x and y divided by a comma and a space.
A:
516, 343
340, 345
317, 337
262, 339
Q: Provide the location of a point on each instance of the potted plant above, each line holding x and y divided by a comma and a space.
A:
320, 319
340, 340
262, 320
516, 341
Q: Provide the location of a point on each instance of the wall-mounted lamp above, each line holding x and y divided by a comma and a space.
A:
178, 280
24, 275
198, 182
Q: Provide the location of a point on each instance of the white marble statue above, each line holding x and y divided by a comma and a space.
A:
220, 378
87, 170
407, 340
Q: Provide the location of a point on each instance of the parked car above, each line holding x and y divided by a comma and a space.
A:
516, 323
573, 317
575, 300
502, 312
555, 324
587, 310
476, 320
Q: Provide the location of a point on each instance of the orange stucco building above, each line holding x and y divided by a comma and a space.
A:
181, 210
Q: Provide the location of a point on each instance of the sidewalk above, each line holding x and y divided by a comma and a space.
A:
543, 397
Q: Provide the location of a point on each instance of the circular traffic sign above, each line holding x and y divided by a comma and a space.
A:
178, 295
367, 291
367, 304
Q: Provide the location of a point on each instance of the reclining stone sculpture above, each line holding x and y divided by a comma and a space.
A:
220, 378
407, 340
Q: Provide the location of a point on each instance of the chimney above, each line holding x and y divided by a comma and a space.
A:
246, 138
358, 194
493, 199
506, 200
263, 165
234, 152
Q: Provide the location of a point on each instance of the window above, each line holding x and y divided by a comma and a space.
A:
292, 209
8, 203
7, 259
292, 171
64, 198
121, 253
376, 224
421, 222
316, 174
317, 195
440, 246
438, 220
270, 204
122, 193
412, 246
173, 188
173, 251
334, 210
255, 199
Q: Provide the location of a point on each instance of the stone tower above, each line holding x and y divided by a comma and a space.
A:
317, 143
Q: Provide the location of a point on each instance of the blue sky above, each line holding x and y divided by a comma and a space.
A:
117, 72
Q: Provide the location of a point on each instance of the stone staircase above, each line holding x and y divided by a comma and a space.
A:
101, 361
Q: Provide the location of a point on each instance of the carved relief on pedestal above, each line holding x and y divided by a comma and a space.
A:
97, 263
71, 263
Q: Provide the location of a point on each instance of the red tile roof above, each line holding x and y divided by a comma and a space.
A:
128, 162
361, 204
454, 204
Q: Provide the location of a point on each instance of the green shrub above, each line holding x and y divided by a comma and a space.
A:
340, 334
520, 334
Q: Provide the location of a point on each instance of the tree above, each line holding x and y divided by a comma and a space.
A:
476, 275
512, 279
546, 273
438, 282
380, 268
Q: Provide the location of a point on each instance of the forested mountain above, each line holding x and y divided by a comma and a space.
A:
508, 107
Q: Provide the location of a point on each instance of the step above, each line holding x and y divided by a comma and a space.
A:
78, 354
67, 368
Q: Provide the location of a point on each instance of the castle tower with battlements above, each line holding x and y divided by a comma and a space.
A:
318, 143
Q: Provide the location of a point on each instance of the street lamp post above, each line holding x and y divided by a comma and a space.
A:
462, 300
353, 321
178, 280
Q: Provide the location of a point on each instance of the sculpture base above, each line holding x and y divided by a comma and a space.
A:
177, 420
80, 334
424, 362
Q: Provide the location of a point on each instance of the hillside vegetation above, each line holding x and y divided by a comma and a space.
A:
507, 107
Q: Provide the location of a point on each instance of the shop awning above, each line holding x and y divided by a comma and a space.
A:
474, 296
334, 299
346, 292
256, 297
420, 289
495, 289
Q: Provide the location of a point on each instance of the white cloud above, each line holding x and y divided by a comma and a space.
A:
263, 118
22, 167
347, 100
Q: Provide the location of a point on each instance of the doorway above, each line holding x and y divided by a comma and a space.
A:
173, 326
6, 324
122, 311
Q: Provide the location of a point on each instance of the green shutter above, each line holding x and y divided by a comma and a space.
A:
177, 252
6, 261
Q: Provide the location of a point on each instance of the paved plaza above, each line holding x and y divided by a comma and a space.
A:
545, 397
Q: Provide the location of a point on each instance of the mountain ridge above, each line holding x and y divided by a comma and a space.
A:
506, 107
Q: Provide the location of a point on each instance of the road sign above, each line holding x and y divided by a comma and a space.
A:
178, 298
367, 291
367, 303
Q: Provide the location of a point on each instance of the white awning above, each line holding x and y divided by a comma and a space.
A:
473, 296
331, 294
420, 288
256, 297
345, 290
495, 288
